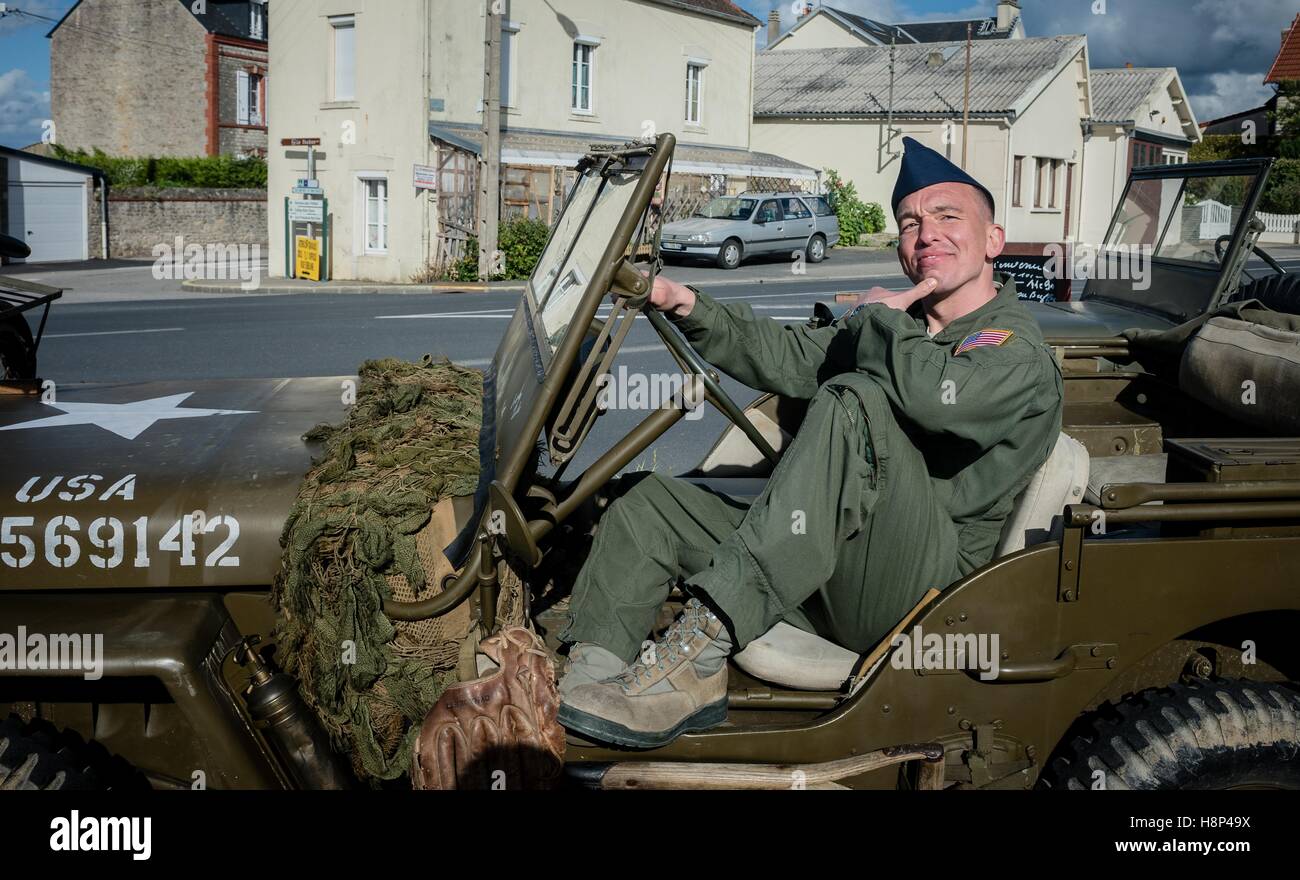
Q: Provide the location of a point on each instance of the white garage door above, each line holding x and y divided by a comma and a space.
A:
51, 218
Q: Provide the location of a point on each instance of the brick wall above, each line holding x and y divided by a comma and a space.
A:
129, 78
142, 218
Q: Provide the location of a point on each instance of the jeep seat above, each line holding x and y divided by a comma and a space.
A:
790, 657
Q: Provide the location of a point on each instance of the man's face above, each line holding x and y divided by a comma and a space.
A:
947, 233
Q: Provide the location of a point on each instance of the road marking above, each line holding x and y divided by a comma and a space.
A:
112, 333
494, 314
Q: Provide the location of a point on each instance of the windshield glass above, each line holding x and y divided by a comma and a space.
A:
570, 259
1180, 218
729, 209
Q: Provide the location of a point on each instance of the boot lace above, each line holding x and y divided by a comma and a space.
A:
673, 644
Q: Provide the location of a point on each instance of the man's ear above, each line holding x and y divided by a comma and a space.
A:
997, 240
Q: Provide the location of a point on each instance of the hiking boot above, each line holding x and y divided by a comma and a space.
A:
588, 664
679, 685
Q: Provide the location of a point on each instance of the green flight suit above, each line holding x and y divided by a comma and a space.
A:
899, 479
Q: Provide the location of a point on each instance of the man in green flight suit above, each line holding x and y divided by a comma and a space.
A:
930, 410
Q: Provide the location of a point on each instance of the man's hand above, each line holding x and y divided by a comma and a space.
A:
669, 296
899, 299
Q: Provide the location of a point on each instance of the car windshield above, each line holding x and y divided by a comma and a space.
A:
729, 209
1181, 218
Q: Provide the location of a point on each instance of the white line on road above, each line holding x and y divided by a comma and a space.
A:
112, 333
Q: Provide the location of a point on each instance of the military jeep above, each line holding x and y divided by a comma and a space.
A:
1136, 618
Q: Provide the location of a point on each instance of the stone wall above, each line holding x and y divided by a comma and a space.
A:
130, 79
235, 139
140, 219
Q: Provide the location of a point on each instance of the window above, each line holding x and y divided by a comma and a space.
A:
694, 94
769, 213
250, 98
795, 210
345, 57
376, 208
1017, 170
821, 206
584, 62
1040, 181
1051, 196
257, 20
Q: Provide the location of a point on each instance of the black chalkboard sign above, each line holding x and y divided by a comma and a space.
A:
1031, 283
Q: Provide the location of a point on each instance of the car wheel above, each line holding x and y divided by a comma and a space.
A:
730, 255
37, 756
1208, 734
817, 249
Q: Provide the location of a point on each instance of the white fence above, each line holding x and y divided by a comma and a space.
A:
1216, 220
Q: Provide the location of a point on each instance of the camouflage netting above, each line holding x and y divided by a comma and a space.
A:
363, 529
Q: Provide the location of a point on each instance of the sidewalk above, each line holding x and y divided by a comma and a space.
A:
842, 264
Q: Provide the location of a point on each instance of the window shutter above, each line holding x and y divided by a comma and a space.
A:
241, 89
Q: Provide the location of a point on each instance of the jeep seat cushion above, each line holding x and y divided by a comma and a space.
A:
1037, 515
788, 656
1248, 372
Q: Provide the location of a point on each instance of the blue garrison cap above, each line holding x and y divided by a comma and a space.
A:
924, 167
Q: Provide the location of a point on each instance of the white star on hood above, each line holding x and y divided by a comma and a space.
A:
128, 420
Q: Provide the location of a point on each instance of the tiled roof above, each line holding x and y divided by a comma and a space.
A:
716, 8
1005, 74
1287, 64
1118, 93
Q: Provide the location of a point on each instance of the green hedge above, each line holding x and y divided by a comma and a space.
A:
210, 172
857, 218
1282, 192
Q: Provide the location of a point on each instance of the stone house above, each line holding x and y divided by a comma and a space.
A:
161, 77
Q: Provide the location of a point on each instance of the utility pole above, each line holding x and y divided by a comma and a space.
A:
965, 112
489, 172
889, 111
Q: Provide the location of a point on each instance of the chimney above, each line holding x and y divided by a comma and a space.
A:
773, 26
1008, 12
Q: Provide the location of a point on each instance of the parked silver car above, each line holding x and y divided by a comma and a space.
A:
731, 228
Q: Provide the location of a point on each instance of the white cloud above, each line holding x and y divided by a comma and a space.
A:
1227, 93
23, 108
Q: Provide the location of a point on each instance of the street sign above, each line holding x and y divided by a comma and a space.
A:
308, 183
426, 177
307, 258
306, 212
300, 142
308, 191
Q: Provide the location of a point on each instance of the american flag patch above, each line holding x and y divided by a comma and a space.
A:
982, 338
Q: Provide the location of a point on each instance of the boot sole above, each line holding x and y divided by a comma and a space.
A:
704, 718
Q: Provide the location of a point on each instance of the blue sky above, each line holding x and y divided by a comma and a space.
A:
1222, 49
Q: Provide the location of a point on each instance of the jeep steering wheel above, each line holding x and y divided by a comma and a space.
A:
713, 391
1259, 252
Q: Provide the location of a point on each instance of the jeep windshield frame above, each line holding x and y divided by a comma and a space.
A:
1181, 288
542, 347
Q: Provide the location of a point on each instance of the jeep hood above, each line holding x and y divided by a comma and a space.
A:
166, 484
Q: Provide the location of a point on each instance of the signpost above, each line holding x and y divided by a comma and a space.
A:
308, 250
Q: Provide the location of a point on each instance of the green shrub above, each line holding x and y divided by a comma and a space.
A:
208, 172
856, 217
522, 242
